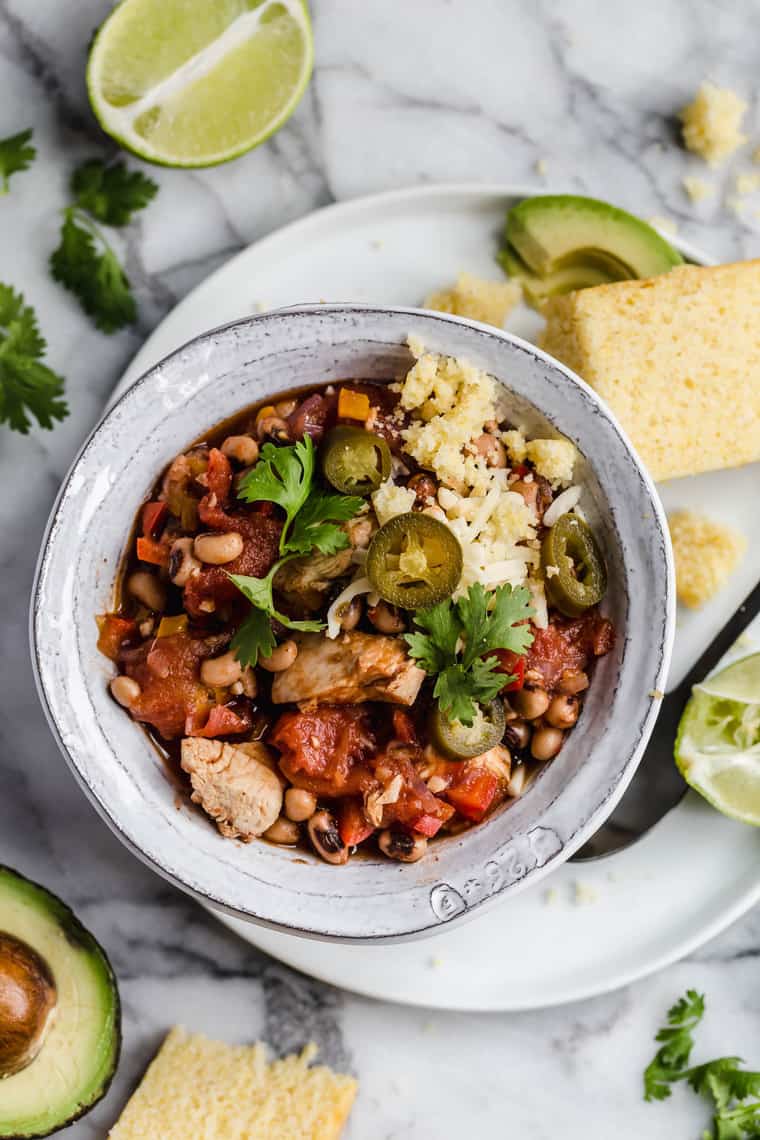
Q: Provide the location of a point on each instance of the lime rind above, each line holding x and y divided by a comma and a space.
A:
118, 120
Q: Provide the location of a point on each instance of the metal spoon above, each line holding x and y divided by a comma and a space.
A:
658, 785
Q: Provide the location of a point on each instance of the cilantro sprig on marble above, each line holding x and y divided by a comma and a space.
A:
16, 154
27, 386
84, 262
285, 476
721, 1081
453, 639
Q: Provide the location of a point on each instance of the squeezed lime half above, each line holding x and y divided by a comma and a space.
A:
718, 745
195, 83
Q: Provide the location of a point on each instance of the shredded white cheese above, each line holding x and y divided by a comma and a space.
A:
344, 598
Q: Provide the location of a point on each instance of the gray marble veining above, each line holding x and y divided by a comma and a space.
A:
402, 93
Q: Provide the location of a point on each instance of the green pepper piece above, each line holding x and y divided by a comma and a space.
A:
355, 461
414, 561
460, 743
582, 579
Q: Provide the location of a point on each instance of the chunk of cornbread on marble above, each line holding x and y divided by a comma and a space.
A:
677, 358
705, 552
197, 1089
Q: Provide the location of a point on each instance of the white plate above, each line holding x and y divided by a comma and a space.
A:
595, 927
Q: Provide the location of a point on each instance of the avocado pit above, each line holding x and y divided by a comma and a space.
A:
28, 999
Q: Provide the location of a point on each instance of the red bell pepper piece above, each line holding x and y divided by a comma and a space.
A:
513, 664
148, 550
153, 517
473, 794
353, 825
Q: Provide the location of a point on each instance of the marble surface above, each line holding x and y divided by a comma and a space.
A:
402, 93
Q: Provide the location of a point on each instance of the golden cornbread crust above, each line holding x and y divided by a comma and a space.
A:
206, 1090
705, 553
677, 358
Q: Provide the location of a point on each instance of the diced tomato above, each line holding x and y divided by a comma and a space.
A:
113, 631
473, 793
429, 825
520, 469
323, 749
218, 475
513, 664
166, 669
353, 825
403, 727
153, 518
416, 806
261, 544
222, 721
148, 550
568, 645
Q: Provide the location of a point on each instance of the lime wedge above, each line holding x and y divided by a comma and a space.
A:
197, 82
718, 745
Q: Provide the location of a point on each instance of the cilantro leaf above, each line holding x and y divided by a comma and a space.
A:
16, 154
86, 265
723, 1081
469, 678
252, 638
26, 384
314, 526
110, 192
672, 1057
283, 475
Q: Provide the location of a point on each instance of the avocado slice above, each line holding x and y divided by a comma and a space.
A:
564, 280
556, 232
60, 1022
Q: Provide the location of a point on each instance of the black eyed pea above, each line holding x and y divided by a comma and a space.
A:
350, 615
217, 549
280, 658
530, 703
221, 672
147, 589
490, 448
517, 735
563, 711
546, 743
402, 845
242, 448
325, 838
386, 618
283, 831
182, 563
300, 805
125, 690
273, 428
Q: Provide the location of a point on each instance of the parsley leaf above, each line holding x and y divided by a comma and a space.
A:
85, 264
283, 475
111, 193
465, 679
16, 153
26, 384
672, 1057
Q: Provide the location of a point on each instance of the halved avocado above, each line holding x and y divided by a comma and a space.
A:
570, 242
60, 1023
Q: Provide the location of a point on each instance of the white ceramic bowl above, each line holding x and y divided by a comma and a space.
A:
208, 380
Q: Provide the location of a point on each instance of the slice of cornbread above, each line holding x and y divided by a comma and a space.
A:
705, 552
677, 358
197, 1089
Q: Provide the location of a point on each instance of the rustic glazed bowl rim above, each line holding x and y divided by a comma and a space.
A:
430, 900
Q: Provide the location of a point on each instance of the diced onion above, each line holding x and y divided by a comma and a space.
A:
538, 598
561, 505
352, 590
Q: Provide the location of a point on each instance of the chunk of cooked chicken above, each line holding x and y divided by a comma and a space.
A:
355, 667
305, 582
235, 784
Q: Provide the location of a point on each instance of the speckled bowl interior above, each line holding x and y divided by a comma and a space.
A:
213, 377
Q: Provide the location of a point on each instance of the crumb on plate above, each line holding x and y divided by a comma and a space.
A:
711, 123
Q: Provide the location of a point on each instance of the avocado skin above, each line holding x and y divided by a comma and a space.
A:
81, 939
611, 245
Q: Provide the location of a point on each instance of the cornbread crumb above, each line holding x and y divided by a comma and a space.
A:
697, 188
585, 893
553, 458
711, 123
488, 301
756, 154
516, 444
677, 357
207, 1090
541, 167
706, 553
551, 896
747, 183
